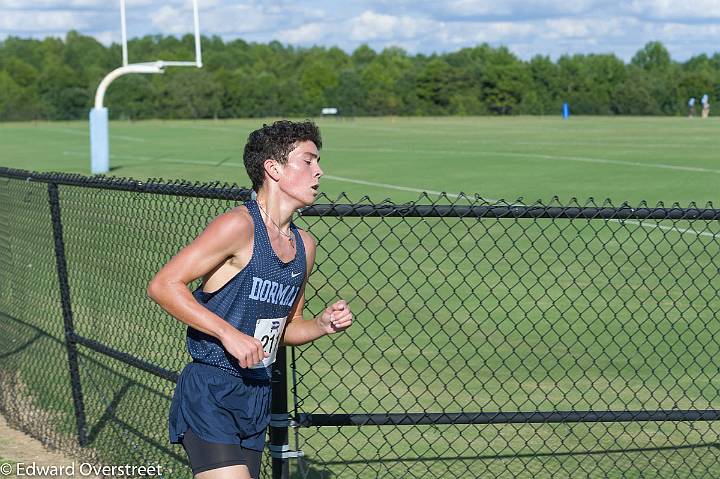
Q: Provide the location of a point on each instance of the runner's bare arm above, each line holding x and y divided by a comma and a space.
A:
336, 317
223, 238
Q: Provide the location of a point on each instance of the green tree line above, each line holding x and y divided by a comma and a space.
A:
56, 79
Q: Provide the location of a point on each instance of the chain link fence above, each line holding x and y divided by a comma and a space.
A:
490, 339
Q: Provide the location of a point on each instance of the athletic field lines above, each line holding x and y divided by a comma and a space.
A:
595, 144
626, 159
398, 187
438, 153
210, 128
86, 134
159, 159
687, 231
607, 162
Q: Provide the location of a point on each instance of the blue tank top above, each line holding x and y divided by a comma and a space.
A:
266, 288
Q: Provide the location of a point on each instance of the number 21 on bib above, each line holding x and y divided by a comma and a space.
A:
269, 331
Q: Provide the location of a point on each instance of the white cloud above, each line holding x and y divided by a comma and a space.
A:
567, 28
176, 18
134, 5
51, 4
172, 20
237, 20
473, 8
527, 27
488, 10
675, 10
373, 26
34, 21
505, 30
308, 33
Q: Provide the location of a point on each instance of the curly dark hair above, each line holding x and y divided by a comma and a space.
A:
276, 141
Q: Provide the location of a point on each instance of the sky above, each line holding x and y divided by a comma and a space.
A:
526, 27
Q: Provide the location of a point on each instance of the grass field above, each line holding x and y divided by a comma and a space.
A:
625, 159
538, 314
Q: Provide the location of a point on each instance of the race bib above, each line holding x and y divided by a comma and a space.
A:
268, 332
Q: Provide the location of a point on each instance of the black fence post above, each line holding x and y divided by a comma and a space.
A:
280, 419
70, 343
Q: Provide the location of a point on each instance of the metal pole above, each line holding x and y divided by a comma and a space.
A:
123, 33
196, 22
78, 402
279, 445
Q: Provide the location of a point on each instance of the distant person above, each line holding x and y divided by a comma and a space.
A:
254, 263
706, 105
691, 107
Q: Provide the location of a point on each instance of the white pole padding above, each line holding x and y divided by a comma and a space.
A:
99, 145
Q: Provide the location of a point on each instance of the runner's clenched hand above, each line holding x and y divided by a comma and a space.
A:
336, 317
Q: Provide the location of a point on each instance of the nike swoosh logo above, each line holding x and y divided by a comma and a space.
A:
294, 274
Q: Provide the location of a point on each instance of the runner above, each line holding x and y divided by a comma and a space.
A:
254, 263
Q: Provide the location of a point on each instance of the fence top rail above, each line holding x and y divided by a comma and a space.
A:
427, 206
511, 211
213, 190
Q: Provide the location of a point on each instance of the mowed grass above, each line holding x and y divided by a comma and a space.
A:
451, 315
625, 159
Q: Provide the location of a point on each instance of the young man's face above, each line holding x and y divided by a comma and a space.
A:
300, 176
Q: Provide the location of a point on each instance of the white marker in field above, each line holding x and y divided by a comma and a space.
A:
99, 144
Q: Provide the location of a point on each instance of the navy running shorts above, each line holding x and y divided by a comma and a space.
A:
220, 407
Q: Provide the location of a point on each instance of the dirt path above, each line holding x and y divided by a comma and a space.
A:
20, 450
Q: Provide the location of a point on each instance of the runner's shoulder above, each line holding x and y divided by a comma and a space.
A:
235, 225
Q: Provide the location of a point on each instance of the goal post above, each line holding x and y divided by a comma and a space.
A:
99, 124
